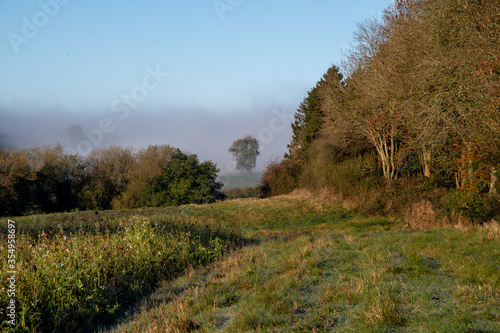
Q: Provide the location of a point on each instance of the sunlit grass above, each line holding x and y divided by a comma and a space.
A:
344, 273
291, 263
82, 275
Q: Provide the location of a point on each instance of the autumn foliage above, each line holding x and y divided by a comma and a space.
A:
420, 89
48, 179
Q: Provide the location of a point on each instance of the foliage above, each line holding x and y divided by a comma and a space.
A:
183, 180
279, 178
39, 179
310, 116
105, 176
472, 204
245, 152
47, 179
148, 165
422, 92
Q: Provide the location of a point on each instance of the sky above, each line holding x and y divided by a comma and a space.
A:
194, 74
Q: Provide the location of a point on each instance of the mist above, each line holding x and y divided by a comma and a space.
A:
206, 133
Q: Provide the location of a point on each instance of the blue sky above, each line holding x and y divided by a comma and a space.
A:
234, 63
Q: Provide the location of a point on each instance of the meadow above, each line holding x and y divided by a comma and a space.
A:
297, 263
78, 270
239, 180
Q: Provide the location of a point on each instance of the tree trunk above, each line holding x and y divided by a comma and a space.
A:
386, 155
493, 191
427, 162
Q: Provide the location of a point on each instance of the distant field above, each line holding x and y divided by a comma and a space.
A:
237, 180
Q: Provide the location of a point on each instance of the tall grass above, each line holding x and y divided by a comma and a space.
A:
83, 273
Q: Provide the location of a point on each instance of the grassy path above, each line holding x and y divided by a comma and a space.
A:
316, 267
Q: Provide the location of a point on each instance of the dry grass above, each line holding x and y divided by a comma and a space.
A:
492, 229
420, 216
175, 318
317, 200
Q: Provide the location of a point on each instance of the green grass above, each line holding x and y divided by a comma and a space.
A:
245, 192
318, 268
76, 270
239, 180
291, 263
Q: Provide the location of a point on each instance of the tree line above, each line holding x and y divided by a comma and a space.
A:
48, 179
416, 101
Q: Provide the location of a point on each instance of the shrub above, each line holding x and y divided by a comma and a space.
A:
420, 215
279, 178
184, 180
474, 205
344, 176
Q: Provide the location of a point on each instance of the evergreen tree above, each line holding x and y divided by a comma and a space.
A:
310, 116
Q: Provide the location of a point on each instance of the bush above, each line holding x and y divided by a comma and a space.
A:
279, 178
344, 176
478, 207
184, 180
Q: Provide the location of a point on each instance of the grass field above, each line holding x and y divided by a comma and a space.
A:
238, 180
291, 263
316, 267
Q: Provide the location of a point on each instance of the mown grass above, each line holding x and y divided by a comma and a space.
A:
319, 268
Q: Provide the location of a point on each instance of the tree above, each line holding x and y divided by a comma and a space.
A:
15, 177
182, 181
57, 179
280, 177
310, 116
105, 176
148, 165
373, 107
245, 152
